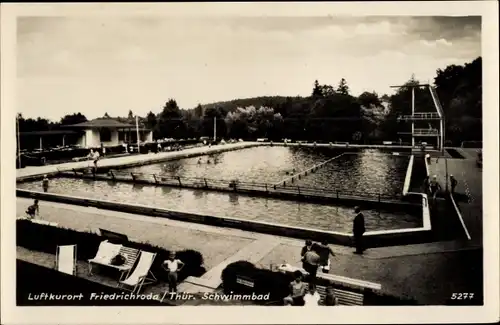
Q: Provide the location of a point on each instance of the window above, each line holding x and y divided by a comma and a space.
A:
105, 135
121, 136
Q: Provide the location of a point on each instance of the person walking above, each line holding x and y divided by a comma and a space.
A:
33, 210
308, 247
45, 183
172, 266
310, 263
358, 229
324, 251
453, 184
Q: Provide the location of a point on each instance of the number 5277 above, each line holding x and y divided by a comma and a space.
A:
462, 295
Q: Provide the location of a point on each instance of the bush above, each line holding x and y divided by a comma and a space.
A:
45, 238
265, 281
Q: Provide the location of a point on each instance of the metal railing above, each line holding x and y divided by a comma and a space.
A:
233, 185
431, 132
420, 116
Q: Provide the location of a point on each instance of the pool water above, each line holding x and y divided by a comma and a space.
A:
362, 171
316, 216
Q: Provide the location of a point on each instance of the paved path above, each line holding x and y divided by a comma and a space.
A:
468, 193
127, 160
426, 272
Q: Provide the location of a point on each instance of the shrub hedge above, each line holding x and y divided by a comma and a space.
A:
277, 285
45, 238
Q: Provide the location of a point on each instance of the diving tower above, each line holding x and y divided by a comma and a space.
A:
437, 117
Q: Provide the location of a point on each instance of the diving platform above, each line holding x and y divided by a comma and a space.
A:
420, 117
423, 133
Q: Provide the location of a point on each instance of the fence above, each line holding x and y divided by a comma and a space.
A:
234, 186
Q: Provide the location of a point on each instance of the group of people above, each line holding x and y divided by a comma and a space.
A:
316, 256
304, 294
432, 186
215, 161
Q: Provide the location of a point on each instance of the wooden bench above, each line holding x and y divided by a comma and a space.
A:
345, 298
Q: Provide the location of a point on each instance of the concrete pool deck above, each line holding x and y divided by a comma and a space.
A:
468, 194
425, 272
130, 160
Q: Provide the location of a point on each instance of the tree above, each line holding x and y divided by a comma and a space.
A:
369, 100
151, 122
170, 123
207, 126
106, 115
71, 119
460, 91
343, 88
198, 111
316, 89
130, 115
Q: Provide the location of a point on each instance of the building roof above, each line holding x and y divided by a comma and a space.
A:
103, 122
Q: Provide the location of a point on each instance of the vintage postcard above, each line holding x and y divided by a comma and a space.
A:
249, 163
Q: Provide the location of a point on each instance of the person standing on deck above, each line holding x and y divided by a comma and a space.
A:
358, 229
172, 266
45, 183
96, 158
453, 184
435, 187
425, 185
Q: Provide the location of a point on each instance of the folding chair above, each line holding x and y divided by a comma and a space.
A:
105, 253
66, 259
141, 275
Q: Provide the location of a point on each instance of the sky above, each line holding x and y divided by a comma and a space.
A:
95, 65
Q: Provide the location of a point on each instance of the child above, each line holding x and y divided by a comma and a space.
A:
330, 298
172, 266
45, 183
33, 210
297, 291
312, 297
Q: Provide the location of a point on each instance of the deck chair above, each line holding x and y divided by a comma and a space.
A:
141, 275
105, 254
66, 259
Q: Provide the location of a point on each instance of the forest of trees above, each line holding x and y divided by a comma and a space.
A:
330, 113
